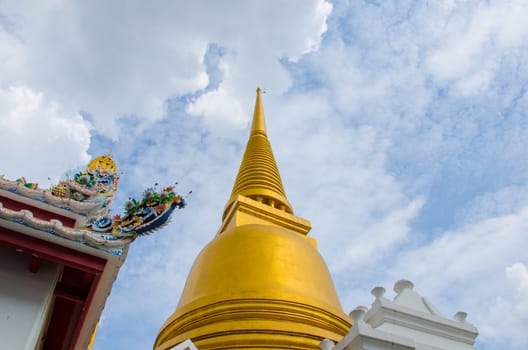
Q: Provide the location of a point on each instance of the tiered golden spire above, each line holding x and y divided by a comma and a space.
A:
258, 177
260, 283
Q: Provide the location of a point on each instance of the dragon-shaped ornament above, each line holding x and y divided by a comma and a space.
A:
98, 184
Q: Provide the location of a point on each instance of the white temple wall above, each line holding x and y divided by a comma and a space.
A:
424, 339
25, 299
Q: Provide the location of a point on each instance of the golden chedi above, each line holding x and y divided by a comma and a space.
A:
260, 283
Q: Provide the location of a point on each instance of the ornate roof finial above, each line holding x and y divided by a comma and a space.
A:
103, 163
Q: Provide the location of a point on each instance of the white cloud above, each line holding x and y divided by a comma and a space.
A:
38, 139
517, 275
475, 40
12, 58
220, 110
510, 309
120, 59
503, 202
254, 58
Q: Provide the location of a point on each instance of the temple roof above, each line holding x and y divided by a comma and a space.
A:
78, 209
46, 196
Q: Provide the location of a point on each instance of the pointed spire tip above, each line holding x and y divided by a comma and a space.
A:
258, 175
259, 124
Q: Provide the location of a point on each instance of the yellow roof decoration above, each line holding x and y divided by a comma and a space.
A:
258, 177
103, 163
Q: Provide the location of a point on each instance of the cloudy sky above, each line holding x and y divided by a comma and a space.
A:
400, 129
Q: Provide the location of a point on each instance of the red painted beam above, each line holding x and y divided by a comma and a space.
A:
52, 252
34, 266
87, 306
70, 293
37, 212
73, 294
62, 325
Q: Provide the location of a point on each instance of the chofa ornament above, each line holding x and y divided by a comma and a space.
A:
98, 182
141, 217
91, 192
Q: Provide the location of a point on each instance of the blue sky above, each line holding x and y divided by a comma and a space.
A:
400, 129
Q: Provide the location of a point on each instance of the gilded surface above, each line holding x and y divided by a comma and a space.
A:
260, 283
258, 177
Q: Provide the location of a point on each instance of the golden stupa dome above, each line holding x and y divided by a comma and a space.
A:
260, 283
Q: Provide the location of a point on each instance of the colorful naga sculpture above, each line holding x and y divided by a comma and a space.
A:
141, 217
89, 195
97, 184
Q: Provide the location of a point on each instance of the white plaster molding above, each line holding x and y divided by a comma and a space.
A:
363, 337
408, 322
386, 311
46, 196
93, 239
